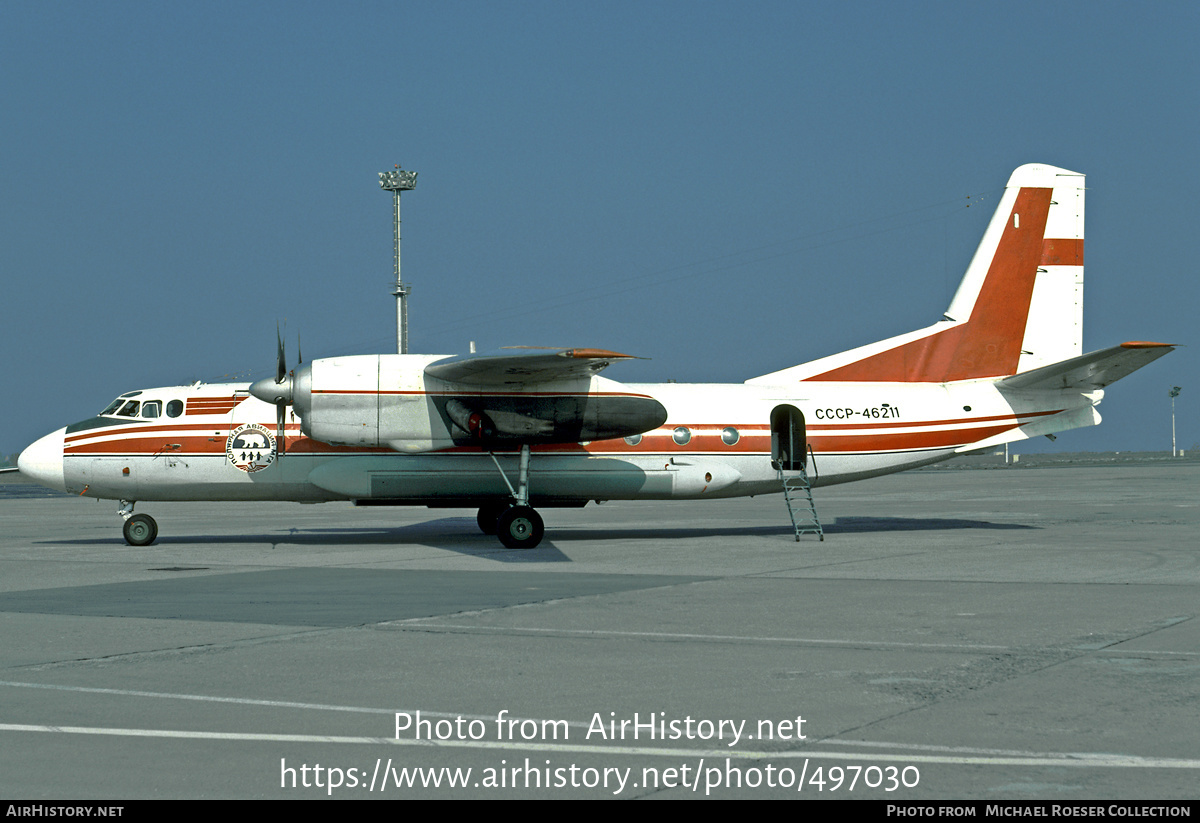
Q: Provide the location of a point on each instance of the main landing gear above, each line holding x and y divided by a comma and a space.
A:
515, 522
139, 529
520, 527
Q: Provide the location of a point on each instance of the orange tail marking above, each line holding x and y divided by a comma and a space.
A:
989, 343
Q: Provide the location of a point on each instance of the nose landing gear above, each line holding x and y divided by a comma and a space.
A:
139, 529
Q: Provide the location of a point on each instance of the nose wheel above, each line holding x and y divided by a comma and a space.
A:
139, 529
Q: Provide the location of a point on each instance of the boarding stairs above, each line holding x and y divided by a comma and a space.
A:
797, 493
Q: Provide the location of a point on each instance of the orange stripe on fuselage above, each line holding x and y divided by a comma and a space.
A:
833, 438
895, 424
213, 405
151, 444
904, 441
476, 393
147, 429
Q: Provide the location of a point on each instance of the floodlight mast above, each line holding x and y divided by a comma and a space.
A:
1175, 390
397, 181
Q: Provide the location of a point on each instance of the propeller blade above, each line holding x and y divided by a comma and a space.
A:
277, 392
281, 362
280, 439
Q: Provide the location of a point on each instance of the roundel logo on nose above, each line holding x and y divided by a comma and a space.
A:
250, 447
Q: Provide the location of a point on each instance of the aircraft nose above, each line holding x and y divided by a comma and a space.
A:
43, 461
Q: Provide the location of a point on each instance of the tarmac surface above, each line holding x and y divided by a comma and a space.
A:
988, 635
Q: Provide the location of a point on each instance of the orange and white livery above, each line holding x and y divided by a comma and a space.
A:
537, 428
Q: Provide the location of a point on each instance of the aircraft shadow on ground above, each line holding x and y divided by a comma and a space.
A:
459, 534
850, 525
456, 534
842, 525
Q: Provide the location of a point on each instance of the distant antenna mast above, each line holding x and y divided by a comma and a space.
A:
397, 181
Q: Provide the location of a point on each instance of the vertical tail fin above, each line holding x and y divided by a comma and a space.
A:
1019, 306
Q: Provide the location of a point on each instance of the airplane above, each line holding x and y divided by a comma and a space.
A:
531, 428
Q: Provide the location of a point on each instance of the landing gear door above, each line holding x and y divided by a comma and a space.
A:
789, 443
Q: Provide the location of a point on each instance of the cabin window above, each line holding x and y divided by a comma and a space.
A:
682, 435
730, 436
633, 439
152, 408
174, 408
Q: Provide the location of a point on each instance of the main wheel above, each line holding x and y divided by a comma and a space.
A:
520, 527
489, 514
140, 530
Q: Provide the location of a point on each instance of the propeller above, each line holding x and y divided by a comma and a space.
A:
278, 391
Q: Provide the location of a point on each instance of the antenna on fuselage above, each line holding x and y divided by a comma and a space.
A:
397, 181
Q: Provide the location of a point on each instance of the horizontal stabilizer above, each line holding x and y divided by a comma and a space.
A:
1089, 371
524, 368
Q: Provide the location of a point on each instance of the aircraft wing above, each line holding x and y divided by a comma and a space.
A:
524, 367
496, 400
1089, 371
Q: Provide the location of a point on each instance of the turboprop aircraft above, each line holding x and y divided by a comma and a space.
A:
536, 428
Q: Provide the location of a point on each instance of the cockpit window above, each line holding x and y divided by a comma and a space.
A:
145, 409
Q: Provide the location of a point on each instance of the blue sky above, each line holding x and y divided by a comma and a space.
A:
725, 188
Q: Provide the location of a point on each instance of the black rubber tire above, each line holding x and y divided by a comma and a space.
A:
489, 515
140, 530
520, 527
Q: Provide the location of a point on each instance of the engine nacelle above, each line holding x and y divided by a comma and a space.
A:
388, 400
369, 400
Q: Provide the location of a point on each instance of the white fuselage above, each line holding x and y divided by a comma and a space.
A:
716, 442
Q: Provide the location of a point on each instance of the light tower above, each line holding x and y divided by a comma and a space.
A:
1175, 390
397, 181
